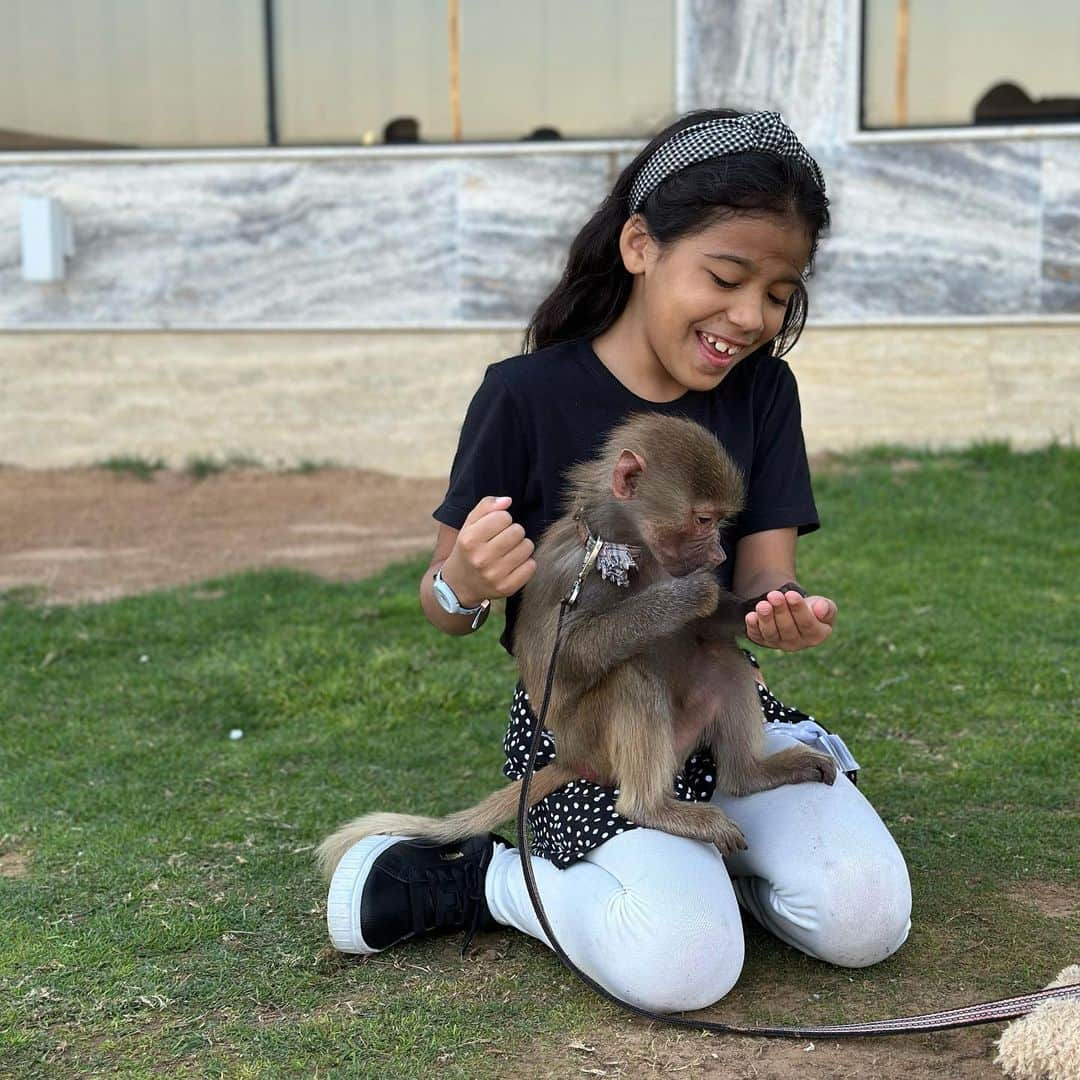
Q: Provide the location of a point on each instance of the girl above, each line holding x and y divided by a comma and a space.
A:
680, 295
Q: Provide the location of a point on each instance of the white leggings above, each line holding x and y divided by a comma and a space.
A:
654, 918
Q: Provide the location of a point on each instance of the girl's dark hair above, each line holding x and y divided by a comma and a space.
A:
595, 285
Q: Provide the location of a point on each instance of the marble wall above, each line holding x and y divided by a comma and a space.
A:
933, 229
787, 55
348, 241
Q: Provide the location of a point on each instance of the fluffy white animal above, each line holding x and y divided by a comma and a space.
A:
1045, 1044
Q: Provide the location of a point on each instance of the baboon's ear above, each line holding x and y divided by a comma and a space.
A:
628, 469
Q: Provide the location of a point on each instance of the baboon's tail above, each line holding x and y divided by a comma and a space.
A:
482, 818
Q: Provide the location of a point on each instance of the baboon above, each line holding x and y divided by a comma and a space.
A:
648, 658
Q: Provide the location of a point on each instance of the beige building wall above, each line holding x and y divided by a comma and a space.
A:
394, 401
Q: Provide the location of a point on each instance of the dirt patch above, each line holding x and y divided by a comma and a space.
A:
639, 1049
91, 534
1047, 897
628, 1046
14, 864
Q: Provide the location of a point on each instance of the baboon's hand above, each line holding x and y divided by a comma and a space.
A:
704, 590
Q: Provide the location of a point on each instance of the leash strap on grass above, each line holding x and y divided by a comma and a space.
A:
966, 1016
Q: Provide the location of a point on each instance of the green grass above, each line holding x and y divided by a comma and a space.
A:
200, 466
312, 465
164, 918
133, 465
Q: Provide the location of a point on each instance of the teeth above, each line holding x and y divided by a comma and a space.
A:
718, 345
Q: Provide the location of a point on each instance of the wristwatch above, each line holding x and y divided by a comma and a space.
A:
448, 601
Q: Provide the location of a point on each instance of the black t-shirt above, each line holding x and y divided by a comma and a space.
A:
536, 414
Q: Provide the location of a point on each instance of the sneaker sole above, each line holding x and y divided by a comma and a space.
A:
346, 891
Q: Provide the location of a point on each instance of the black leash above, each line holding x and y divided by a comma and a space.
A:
966, 1016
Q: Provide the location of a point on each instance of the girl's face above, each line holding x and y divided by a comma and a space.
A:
707, 301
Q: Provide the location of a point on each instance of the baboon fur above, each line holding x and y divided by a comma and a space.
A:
638, 662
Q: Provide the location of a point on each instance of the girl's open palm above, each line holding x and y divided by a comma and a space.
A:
789, 622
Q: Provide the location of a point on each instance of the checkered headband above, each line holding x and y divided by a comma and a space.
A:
713, 138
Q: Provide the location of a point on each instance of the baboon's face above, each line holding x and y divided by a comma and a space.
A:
692, 544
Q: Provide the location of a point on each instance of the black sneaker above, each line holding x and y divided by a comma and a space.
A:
388, 889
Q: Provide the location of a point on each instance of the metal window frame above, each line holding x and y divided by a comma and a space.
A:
953, 133
275, 151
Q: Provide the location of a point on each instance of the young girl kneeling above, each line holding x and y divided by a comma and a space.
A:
680, 296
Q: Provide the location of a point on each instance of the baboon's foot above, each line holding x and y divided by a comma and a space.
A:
730, 838
713, 826
696, 821
800, 764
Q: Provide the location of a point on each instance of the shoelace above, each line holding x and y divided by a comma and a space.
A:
444, 895
475, 882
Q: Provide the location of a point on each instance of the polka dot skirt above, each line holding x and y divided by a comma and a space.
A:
581, 814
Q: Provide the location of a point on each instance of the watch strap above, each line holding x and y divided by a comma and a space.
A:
481, 614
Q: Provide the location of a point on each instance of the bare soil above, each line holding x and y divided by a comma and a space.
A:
1049, 898
87, 535
631, 1047
639, 1049
14, 864
83, 535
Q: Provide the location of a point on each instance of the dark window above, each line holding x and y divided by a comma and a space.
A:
78, 74
945, 63
129, 74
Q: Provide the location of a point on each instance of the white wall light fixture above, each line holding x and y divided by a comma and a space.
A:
47, 238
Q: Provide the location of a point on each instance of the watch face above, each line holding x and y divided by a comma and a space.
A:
445, 595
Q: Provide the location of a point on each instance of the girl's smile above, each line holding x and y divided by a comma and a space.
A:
718, 353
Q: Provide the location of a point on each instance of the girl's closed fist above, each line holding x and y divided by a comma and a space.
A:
492, 556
